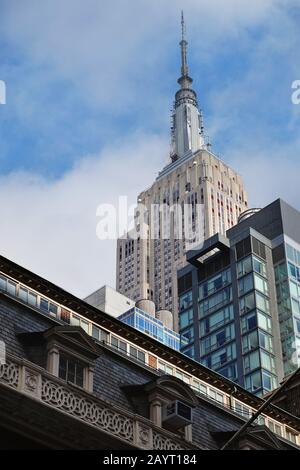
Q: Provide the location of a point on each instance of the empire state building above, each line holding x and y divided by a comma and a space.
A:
147, 266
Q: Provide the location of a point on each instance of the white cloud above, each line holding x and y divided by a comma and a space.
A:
114, 55
50, 227
114, 52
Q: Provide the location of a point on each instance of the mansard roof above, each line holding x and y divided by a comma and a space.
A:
68, 300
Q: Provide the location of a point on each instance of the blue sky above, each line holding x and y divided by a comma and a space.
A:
89, 89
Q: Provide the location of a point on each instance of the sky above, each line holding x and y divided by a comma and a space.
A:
89, 88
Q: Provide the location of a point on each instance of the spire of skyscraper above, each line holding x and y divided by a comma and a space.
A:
186, 129
183, 44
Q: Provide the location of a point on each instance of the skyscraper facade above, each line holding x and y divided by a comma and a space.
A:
195, 177
239, 299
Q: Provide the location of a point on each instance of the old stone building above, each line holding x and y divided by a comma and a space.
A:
75, 378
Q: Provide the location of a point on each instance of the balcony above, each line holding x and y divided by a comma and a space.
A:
25, 387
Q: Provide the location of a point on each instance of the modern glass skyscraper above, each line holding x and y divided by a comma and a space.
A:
239, 299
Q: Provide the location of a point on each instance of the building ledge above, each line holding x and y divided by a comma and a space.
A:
210, 247
41, 388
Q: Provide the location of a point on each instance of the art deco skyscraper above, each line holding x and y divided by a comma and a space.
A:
147, 266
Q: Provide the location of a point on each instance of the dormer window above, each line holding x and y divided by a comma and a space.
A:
71, 369
71, 355
67, 352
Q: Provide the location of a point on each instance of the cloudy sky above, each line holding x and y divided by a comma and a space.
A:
89, 88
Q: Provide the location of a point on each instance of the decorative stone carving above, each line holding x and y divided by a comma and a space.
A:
9, 373
30, 382
143, 436
161, 442
87, 410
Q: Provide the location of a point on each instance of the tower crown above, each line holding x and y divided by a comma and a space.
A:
186, 129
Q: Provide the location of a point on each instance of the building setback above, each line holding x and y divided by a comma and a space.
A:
147, 264
77, 378
240, 299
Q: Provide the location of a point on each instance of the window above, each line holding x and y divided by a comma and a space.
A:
11, 287
217, 340
178, 374
215, 395
250, 341
292, 254
165, 368
71, 369
251, 361
249, 322
199, 387
77, 321
23, 294
258, 248
32, 299
266, 341
137, 354
44, 304
48, 307
99, 334
2, 283
244, 266
186, 319
267, 361
294, 271
280, 272
185, 301
253, 382
220, 357
261, 284
188, 334
264, 322
84, 325
243, 248
215, 301
118, 344
245, 284
247, 303
259, 267
262, 303
190, 352
269, 381
294, 289
230, 372
291, 436
214, 284
241, 409
216, 320
277, 429
295, 307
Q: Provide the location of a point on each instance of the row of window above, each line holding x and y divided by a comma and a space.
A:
74, 372
249, 264
292, 254
260, 380
220, 357
252, 300
215, 302
258, 359
250, 282
214, 284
